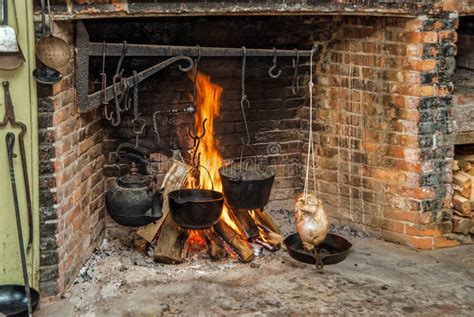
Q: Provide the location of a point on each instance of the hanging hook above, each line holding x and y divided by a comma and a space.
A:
103, 74
295, 85
244, 102
274, 66
122, 57
196, 72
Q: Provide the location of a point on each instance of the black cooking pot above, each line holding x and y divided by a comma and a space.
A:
246, 188
195, 208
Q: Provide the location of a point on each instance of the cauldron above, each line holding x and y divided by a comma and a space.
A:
196, 208
246, 188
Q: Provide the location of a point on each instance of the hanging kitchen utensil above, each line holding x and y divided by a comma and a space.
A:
11, 56
312, 222
246, 186
196, 209
10, 140
120, 89
9, 117
138, 123
44, 74
51, 50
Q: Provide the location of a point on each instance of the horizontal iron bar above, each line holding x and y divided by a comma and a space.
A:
115, 49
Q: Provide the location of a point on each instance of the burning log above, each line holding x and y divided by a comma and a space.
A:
216, 246
170, 242
269, 240
247, 223
264, 218
239, 246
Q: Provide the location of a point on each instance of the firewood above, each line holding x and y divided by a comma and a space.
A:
140, 244
455, 166
464, 165
237, 244
246, 223
462, 205
464, 182
463, 225
173, 180
463, 191
468, 158
270, 240
216, 246
170, 242
265, 219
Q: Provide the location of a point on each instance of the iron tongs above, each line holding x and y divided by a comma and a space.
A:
9, 117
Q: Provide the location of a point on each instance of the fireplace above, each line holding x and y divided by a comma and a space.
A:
382, 117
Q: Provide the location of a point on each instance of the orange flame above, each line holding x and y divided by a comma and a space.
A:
261, 232
208, 105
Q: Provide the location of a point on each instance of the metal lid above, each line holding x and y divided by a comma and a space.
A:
134, 179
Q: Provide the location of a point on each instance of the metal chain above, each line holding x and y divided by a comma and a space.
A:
155, 128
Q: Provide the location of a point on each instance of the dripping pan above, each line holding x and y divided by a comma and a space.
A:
332, 250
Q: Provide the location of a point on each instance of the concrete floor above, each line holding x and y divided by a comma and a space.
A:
376, 278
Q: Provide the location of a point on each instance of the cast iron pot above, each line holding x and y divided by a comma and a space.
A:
196, 208
13, 300
249, 189
132, 203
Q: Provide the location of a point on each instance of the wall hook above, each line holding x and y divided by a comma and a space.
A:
274, 66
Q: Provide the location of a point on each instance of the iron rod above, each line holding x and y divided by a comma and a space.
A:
115, 49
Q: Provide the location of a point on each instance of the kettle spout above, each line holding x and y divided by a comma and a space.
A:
157, 205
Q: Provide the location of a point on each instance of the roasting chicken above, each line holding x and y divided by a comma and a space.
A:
312, 222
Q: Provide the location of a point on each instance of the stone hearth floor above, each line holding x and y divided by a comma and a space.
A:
377, 278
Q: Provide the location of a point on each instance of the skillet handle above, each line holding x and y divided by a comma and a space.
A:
318, 261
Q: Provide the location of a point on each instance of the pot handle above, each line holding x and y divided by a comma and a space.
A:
208, 173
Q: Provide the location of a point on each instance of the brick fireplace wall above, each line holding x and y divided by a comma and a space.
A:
383, 118
72, 207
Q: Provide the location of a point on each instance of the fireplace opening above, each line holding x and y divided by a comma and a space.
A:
213, 133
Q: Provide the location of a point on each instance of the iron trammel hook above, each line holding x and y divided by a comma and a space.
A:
196, 143
274, 66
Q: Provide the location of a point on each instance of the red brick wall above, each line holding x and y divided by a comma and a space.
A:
71, 181
383, 102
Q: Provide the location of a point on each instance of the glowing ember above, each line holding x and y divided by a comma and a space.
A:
208, 104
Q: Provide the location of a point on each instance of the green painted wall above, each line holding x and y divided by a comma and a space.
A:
23, 90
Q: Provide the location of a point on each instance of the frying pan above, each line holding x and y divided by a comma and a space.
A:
13, 300
336, 246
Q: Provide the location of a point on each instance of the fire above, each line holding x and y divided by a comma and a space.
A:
208, 104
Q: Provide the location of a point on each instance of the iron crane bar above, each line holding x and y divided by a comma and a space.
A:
144, 50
